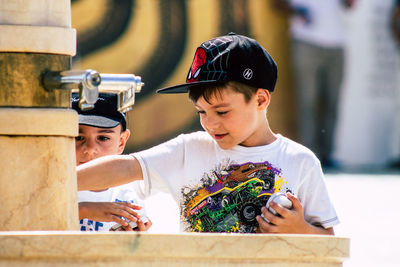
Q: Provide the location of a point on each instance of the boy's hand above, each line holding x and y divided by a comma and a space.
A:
109, 211
144, 226
290, 221
141, 226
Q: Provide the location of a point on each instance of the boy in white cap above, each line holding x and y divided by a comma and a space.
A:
223, 176
102, 131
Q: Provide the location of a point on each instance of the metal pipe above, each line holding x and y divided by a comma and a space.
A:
90, 83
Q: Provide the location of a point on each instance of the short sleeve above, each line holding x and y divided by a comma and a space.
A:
162, 166
313, 193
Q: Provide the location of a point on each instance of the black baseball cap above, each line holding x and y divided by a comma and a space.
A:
231, 57
105, 113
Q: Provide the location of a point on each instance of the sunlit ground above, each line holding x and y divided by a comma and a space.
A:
367, 204
368, 207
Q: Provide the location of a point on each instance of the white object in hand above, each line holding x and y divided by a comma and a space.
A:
278, 198
133, 225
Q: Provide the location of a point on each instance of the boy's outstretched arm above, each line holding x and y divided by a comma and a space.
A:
290, 222
108, 171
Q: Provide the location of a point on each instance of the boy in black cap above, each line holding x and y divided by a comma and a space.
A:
102, 132
223, 176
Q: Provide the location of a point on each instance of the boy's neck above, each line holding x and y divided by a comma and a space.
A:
267, 137
271, 137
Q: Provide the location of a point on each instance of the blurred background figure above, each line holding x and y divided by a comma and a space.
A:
395, 27
368, 128
395, 21
317, 51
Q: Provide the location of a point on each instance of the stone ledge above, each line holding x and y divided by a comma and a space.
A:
176, 249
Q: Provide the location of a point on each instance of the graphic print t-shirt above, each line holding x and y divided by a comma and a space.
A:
220, 190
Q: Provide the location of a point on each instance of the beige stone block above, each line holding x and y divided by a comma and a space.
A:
38, 39
128, 249
38, 188
34, 121
36, 12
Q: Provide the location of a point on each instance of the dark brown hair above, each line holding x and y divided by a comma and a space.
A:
208, 91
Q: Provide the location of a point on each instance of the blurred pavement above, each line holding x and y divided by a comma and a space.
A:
369, 214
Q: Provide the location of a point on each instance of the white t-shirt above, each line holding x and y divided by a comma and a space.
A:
186, 162
123, 193
325, 27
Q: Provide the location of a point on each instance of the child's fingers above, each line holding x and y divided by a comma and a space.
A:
148, 224
275, 220
123, 228
131, 205
267, 215
127, 228
144, 226
264, 226
279, 209
128, 214
295, 201
126, 208
141, 225
117, 219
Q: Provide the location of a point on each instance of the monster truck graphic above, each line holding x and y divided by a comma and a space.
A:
240, 173
233, 201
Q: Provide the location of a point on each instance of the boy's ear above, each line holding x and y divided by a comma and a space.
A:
122, 140
263, 98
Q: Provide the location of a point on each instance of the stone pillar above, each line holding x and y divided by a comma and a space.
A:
37, 153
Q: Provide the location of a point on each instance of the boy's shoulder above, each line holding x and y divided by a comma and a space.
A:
294, 144
196, 141
296, 150
199, 136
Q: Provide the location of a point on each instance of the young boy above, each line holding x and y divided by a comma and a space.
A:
102, 131
222, 177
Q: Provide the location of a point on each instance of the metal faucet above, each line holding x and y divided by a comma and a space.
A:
90, 83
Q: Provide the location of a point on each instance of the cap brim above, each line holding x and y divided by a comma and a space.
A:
99, 121
184, 88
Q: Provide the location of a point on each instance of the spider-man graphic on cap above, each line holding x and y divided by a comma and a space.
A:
198, 62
